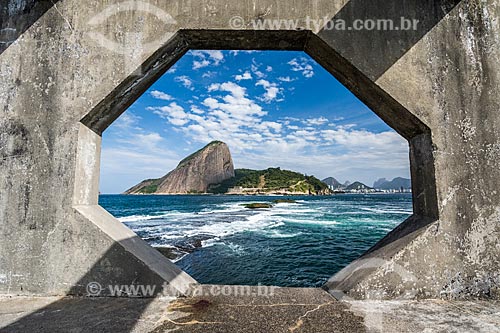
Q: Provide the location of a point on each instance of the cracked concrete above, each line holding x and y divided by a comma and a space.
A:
288, 310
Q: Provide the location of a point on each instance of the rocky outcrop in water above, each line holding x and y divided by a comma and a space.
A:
194, 174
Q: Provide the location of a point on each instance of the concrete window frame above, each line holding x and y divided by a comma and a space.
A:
93, 124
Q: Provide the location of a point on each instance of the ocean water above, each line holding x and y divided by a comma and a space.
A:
218, 241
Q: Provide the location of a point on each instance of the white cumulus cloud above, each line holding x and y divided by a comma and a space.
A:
161, 95
316, 121
244, 76
205, 58
285, 79
272, 90
174, 113
186, 81
302, 65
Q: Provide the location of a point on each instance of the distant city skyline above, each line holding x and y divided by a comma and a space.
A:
273, 109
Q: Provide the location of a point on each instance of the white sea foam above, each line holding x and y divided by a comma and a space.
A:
225, 208
177, 259
235, 248
254, 222
277, 210
163, 235
273, 233
376, 221
287, 204
211, 242
311, 221
165, 215
220, 221
215, 223
385, 211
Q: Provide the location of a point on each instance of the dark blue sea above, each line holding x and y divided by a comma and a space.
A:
218, 241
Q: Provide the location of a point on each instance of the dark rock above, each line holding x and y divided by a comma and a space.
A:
258, 205
284, 201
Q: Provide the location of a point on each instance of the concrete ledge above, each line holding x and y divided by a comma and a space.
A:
290, 310
176, 279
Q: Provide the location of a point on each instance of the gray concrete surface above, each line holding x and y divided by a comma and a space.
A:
288, 310
66, 74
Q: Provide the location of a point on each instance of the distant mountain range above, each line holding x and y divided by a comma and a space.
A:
357, 186
334, 183
397, 183
379, 182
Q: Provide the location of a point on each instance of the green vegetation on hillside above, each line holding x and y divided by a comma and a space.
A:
271, 179
317, 184
147, 186
149, 189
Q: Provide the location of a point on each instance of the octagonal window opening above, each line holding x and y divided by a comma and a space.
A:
332, 177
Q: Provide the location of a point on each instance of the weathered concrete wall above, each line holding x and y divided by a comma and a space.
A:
450, 80
63, 68
50, 77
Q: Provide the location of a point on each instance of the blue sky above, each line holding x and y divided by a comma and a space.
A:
271, 108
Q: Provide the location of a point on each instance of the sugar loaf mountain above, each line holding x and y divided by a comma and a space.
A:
211, 170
